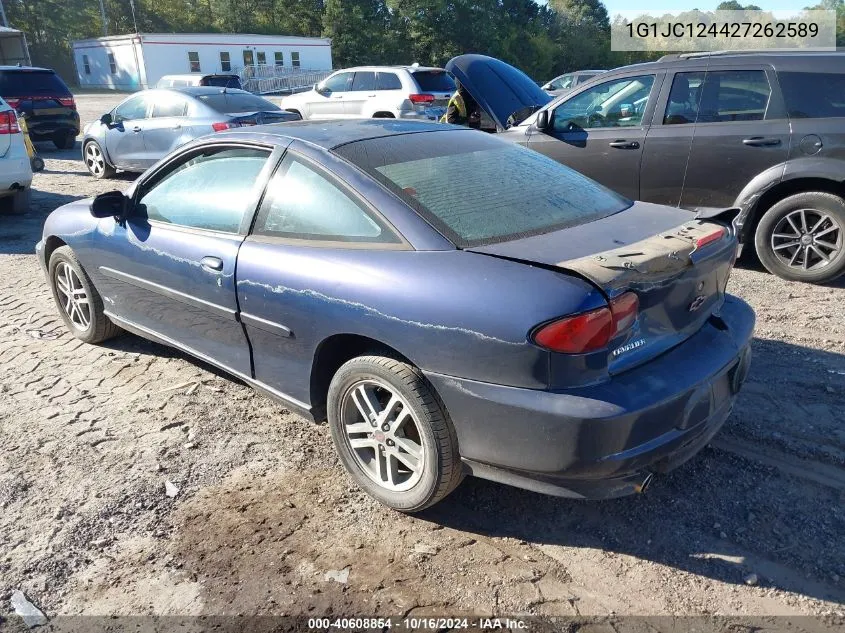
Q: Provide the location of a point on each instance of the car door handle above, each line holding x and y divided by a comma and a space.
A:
368, 96
338, 97
177, 127
760, 141
623, 144
213, 264
136, 129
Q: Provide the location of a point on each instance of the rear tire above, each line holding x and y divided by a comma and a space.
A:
384, 115
17, 203
816, 221
409, 460
78, 302
95, 161
64, 141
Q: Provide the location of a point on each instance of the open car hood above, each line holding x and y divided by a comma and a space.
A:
499, 88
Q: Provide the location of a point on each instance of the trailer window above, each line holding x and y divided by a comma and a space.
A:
280, 58
194, 61
225, 62
294, 59
86, 64
112, 64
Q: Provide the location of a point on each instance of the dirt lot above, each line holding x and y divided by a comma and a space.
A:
264, 511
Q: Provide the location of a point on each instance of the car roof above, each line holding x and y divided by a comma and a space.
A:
777, 58
332, 134
411, 69
28, 68
197, 75
198, 91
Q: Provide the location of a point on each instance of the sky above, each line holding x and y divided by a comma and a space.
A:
660, 6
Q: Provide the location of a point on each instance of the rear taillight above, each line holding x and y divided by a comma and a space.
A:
423, 98
9, 123
67, 102
590, 331
713, 236
224, 125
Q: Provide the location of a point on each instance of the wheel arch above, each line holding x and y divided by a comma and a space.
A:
51, 243
101, 142
784, 189
334, 351
383, 114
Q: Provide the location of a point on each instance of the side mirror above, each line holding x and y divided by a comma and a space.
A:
107, 119
542, 122
321, 89
112, 204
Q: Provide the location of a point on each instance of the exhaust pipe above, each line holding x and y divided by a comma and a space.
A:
646, 482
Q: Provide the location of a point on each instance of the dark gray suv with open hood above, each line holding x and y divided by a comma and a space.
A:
761, 132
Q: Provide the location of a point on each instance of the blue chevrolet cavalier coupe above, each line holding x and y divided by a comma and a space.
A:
452, 303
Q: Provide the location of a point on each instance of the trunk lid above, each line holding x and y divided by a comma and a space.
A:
652, 251
500, 89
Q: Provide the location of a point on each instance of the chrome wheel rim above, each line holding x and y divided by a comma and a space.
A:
72, 296
94, 159
807, 239
383, 435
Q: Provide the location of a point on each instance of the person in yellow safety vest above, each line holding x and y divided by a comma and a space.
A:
462, 109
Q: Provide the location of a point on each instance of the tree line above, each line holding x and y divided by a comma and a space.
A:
544, 40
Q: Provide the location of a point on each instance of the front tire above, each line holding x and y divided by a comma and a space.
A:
78, 301
95, 161
392, 433
802, 237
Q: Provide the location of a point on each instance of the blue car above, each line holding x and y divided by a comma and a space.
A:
450, 302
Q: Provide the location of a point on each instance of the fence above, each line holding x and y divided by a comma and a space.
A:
265, 79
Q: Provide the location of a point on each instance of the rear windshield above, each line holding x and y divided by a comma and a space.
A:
813, 95
434, 81
237, 102
222, 81
26, 83
477, 189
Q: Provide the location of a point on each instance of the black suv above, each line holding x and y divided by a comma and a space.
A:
762, 131
40, 96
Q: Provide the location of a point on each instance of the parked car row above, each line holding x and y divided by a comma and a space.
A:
761, 133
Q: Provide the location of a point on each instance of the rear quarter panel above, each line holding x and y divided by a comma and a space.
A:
449, 312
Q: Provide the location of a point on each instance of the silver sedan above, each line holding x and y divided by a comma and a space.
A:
150, 124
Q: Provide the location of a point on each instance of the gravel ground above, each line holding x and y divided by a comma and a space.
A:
264, 511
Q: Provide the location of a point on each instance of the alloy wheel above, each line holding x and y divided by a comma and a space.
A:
383, 433
807, 239
72, 296
94, 159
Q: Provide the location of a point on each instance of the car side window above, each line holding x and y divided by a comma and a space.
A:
206, 191
562, 82
364, 81
169, 106
734, 95
616, 103
337, 83
303, 202
388, 81
718, 97
684, 97
132, 109
811, 95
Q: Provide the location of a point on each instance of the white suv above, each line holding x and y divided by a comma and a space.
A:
15, 171
401, 92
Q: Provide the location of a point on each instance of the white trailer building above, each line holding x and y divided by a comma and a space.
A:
13, 49
139, 60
